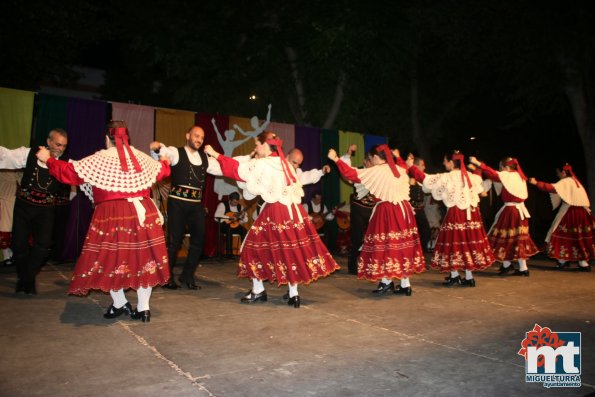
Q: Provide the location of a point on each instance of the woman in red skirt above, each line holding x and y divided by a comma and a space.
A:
570, 238
462, 242
391, 247
125, 244
509, 234
282, 245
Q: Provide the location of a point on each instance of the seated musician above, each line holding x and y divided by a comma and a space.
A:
319, 213
232, 217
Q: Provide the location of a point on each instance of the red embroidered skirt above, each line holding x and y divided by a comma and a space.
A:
509, 238
280, 249
391, 246
119, 253
573, 238
462, 244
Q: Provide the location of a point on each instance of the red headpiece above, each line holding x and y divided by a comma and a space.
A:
389, 159
568, 168
121, 138
278, 143
514, 161
464, 174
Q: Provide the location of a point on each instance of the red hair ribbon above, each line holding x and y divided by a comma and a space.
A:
389, 159
121, 138
278, 143
464, 174
514, 161
568, 168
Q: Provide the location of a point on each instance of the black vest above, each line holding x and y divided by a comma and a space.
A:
311, 208
38, 187
184, 173
228, 207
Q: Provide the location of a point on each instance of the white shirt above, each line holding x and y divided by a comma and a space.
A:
172, 154
221, 217
316, 208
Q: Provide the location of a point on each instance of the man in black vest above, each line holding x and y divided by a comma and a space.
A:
185, 209
34, 208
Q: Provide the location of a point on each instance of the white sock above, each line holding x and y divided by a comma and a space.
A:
6, 253
468, 274
119, 298
523, 265
454, 274
143, 295
505, 264
405, 282
583, 263
292, 290
257, 286
386, 281
561, 261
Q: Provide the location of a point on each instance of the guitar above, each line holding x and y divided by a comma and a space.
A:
318, 219
235, 217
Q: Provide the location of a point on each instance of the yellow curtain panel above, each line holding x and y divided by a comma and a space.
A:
16, 117
171, 126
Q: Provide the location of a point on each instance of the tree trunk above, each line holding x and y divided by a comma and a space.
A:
576, 92
337, 101
417, 134
297, 106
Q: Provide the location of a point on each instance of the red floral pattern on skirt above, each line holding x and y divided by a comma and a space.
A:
119, 253
462, 244
573, 238
391, 246
509, 238
280, 249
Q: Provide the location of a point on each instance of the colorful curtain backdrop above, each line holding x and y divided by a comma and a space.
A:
171, 126
16, 117
285, 132
51, 111
86, 127
140, 121
330, 183
371, 140
210, 197
307, 139
346, 139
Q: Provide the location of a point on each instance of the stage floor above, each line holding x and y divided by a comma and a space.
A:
343, 341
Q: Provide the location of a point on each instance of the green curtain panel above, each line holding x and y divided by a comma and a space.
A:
50, 113
346, 139
16, 117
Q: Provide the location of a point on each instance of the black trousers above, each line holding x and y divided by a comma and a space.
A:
185, 216
37, 222
423, 228
229, 232
360, 217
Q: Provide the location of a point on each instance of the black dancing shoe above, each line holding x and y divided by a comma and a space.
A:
468, 282
450, 281
584, 268
286, 296
190, 284
113, 312
562, 266
407, 291
171, 284
251, 297
522, 273
144, 316
295, 301
384, 288
503, 271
